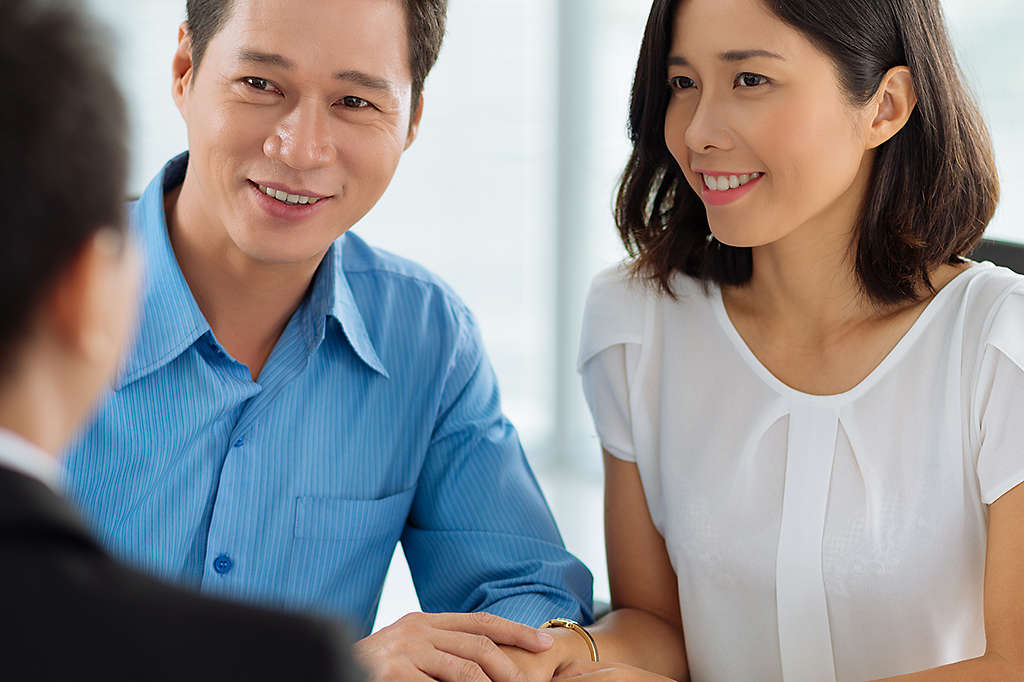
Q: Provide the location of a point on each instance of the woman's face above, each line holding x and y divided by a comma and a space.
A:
759, 125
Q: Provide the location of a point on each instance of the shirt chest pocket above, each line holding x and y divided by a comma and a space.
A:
338, 518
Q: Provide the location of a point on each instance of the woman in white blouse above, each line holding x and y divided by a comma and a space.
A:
811, 405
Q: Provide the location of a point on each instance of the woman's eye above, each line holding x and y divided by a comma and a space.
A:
352, 102
681, 83
751, 80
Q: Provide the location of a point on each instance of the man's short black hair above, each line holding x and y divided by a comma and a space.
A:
62, 135
425, 27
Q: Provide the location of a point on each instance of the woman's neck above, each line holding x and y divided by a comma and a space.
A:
809, 276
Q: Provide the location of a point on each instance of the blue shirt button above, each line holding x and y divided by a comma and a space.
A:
240, 442
222, 564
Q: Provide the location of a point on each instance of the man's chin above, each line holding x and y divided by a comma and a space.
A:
281, 252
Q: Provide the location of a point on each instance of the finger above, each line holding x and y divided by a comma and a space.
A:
592, 676
581, 668
595, 676
498, 630
411, 674
480, 649
446, 667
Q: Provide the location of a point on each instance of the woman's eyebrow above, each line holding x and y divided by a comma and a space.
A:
729, 56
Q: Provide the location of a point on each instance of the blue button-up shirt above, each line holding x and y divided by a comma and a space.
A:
375, 419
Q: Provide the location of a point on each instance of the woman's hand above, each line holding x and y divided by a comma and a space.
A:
585, 671
541, 666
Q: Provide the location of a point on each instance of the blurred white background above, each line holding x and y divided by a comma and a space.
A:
507, 192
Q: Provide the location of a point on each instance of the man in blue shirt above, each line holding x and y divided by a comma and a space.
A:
298, 401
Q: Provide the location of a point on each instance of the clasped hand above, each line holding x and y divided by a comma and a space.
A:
480, 647
452, 647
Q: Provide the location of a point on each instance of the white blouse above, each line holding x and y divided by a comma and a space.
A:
815, 538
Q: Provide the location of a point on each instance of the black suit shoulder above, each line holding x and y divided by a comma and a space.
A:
70, 611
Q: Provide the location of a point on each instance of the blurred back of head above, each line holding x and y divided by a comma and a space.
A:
63, 154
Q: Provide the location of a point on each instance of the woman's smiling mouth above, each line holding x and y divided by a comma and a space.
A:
719, 189
721, 183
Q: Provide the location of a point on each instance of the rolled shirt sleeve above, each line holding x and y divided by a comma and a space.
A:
480, 536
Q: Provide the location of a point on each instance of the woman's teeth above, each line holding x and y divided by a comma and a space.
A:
720, 183
285, 198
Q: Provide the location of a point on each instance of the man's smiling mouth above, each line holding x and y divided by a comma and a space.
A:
285, 197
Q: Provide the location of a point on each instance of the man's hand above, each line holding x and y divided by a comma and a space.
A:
541, 667
452, 647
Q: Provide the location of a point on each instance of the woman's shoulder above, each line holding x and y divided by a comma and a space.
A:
613, 313
989, 292
994, 302
621, 288
618, 306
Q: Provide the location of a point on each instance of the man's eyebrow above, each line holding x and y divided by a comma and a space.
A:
257, 57
358, 77
366, 80
729, 56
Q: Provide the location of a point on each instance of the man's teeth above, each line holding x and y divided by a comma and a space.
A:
286, 198
721, 183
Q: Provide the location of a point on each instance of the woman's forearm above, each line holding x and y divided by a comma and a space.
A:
988, 668
642, 639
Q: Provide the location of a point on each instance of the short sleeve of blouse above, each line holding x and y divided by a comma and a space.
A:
610, 348
1000, 399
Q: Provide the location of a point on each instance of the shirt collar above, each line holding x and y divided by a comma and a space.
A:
170, 321
332, 296
22, 456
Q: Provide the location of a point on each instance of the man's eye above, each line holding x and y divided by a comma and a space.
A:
751, 80
681, 83
352, 102
257, 83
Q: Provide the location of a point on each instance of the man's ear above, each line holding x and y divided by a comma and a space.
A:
182, 70
893, 105
414, 123
75, 309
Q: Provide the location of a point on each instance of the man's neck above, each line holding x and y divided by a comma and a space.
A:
247, 303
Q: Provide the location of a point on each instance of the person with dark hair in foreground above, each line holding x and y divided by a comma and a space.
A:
809, 400
69, 282
297, 401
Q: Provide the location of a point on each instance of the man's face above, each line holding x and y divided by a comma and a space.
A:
307, 101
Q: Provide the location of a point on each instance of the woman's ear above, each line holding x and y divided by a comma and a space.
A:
892, 106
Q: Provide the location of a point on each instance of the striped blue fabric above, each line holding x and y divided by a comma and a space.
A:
376, 419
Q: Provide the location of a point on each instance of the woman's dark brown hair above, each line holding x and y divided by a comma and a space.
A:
933, 188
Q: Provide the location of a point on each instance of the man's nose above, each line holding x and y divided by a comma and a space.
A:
302, 139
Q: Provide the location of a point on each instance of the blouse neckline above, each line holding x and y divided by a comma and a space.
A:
874, 376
